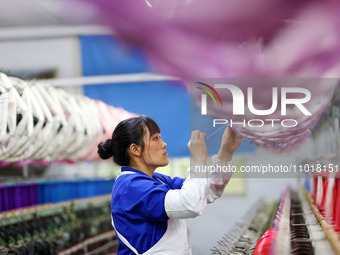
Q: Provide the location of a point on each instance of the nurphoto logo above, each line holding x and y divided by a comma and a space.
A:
239, 103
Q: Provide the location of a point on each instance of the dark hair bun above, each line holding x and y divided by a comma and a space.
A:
105, 149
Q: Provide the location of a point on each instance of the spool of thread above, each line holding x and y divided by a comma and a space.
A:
337, 206
264, 245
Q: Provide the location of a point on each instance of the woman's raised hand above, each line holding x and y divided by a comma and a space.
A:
198, 148
230, 142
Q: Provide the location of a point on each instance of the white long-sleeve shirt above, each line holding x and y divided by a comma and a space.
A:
201, 187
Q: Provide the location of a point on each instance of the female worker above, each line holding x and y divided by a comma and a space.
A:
148, 209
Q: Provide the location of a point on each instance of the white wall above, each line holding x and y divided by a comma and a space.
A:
62, 54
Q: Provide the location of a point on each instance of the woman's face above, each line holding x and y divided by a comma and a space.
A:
154, 152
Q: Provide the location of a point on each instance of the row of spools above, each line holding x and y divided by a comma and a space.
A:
20, 195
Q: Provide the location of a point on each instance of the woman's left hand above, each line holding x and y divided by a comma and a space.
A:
230, 142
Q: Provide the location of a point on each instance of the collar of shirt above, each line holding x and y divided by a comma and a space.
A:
125, 168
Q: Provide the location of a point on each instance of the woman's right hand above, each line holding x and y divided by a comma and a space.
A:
198, 148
